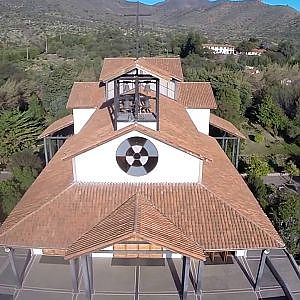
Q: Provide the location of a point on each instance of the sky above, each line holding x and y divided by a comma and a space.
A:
293, 3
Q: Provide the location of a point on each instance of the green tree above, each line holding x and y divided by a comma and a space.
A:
285, 213
229, 103
292, 169
257, 167
287, 48
25, 167
9, 195
18, 131
270, 115
259, 190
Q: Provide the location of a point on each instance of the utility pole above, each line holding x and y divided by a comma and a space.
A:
137, 29
46, 45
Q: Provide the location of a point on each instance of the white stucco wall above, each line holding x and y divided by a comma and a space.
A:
100, 165
81, 116
200, 117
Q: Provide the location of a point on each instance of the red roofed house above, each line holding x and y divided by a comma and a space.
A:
139, 177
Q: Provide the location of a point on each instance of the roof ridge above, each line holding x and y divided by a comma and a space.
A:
131, 198
151, 204
37, 210
242, 215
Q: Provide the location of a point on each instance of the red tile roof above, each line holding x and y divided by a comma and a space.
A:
75, 218
135, 218
86, 95
57, 125
211, 214
195, 95
93, 135
166, 68
225, 126
188, 219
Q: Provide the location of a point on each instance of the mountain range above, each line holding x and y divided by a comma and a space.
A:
219, 20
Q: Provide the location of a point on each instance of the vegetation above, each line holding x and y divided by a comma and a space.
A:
34, 87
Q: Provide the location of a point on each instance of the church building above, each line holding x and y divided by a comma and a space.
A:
140, 175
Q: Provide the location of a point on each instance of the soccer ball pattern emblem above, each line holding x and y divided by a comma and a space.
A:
137, 156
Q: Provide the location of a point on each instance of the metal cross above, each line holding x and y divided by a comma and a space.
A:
137, 15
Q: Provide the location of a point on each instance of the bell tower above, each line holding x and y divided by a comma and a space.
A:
136, 100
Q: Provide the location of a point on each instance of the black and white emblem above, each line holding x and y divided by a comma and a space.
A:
137, 156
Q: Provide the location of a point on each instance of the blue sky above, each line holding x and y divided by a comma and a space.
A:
292, 3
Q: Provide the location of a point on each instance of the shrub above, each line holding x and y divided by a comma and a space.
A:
259, 137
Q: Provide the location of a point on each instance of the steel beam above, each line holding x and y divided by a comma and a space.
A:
46, 151
233, 152
293, 263
91, 272
136, 99
12, 261
237, 153
25, 268
50, 149
186, 263
199, 279
261, 267
74, 272
286, 289
157, 105
86, 277
116, 112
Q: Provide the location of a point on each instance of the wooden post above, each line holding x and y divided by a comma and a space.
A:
186, 262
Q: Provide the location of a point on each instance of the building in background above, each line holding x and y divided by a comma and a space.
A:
220, 48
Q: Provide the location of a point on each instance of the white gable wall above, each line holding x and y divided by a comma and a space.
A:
81, 116
200, 118
100, 165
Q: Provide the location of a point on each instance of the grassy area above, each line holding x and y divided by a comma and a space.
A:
270, 147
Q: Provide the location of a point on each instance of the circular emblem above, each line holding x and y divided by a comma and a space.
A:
137, 156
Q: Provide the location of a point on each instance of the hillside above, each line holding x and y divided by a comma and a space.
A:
218, 20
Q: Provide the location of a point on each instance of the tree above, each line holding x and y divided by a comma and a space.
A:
9, 195
229, 103
285, 213
292, 169
287, 48
18, 131
25, 167
245, 46
259, 190
12, 94
257, 167
270, 115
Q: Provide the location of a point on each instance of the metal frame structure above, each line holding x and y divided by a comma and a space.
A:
49, 148
231, 146
85, 263
135, 115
